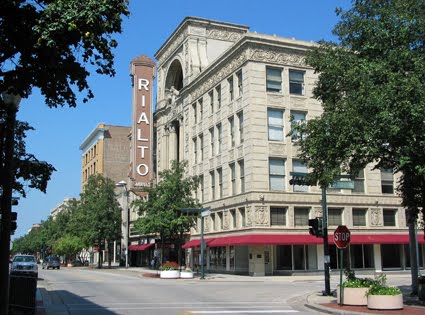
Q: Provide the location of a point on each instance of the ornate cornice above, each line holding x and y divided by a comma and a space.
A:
278, 56
222, 33
173, 46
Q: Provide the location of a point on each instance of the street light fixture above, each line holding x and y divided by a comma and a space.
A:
125, 206
10, 103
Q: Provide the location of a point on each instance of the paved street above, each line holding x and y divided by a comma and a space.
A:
91, 291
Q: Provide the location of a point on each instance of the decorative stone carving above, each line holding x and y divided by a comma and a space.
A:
317, 212
276, 56
376, 217
186, 58
207, 223
248, 216
174, 43
219, 75
226, 220
223, 34
420, 219
261, 215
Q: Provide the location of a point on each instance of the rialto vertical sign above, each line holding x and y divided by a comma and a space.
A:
143, 73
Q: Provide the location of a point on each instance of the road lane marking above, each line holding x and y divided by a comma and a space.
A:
241, 312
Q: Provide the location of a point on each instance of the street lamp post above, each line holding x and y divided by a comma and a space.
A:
10, 102
127, 220
203, 212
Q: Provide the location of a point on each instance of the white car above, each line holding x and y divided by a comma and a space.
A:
24, 265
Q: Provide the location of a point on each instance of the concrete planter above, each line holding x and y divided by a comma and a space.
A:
385, 302
353, 296
186, 274
170, 274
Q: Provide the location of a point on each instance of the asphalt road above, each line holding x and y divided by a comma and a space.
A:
91, 291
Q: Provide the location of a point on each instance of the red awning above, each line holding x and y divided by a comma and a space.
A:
140, 247
197, 242
381, 239
269, 239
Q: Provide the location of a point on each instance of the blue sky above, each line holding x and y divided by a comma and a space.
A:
60, 132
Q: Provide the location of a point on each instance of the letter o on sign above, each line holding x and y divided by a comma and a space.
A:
342, 236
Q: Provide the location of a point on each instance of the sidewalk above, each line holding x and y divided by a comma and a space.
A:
313, 300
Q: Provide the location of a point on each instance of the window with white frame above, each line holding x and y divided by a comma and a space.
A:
278, 216
219, 138
212, 177
301, 216
220, 182
275, 124
195, 150
201, 147
201, 109
296, 82
297, 118
220, 221
201, 188
195, 113
334, 216
211, 96
273, 79
242, 216
212, 141
387, 181
240, 119
231, 92
389, 217
359, 182
218, 92
232, 178
232, 131
241, 175
277, 174
233, 214
299, 167
240, 85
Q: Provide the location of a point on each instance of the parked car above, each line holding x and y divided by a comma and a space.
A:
24, 265
51, 262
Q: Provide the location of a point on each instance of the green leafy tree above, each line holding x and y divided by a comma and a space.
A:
102, 211
68, 246
372, 88
161, 212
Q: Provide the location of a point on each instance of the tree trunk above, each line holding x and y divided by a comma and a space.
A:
413, 257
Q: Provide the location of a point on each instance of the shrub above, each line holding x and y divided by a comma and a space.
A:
380, 287
169, 265
354, 282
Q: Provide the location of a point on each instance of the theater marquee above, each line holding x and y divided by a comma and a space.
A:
143, 73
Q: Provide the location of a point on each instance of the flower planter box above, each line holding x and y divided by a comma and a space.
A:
186, 274
170, 274
385, 302
353, 296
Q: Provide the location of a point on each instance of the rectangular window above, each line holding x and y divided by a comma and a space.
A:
299, 167
233, 214
201, 109
220, 221
359, 217
195, 113
242, 175
301, 216
220, 182
297, 118
240, 118
232, 178
212, 176
387, 181
277, 216
296, 82
218, 92
277, 174
359, 182
240, 86
232, 131
219, 138
389, 217
273, 79
195, 150
334, 216
275, 124
211, 95
201, 188
231, 93
201, 146
242, 216
212, 142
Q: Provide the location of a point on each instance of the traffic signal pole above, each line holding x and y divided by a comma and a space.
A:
326, 243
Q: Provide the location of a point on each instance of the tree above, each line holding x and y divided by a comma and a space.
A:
161, 212
372, 88
100, 207
68, 246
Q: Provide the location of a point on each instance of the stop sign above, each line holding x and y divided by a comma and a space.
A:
342, 236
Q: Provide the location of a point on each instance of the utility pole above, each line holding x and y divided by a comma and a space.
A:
326, 243
7, 171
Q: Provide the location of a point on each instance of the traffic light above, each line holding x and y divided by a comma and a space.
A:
316, 227
13, 218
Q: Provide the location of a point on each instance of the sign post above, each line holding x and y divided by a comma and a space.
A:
342, 236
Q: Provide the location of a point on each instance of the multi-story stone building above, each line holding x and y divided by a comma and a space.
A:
106, 151
226, 101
